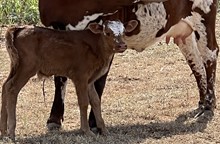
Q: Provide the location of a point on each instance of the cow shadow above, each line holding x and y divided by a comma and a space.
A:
136, 133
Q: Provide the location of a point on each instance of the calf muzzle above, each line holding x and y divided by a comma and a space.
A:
120, 48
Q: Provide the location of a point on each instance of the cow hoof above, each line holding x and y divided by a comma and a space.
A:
53, 126
199, 113
203, 114
206, 116
95, 130
53, 123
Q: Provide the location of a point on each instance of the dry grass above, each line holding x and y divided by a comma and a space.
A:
147, 99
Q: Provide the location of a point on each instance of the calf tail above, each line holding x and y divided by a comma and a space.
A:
12, 51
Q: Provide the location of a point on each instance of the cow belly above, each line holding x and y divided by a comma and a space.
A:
152, 18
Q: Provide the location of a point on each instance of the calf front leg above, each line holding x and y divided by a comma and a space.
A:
96, 107
99, 86
83, 101
57, 111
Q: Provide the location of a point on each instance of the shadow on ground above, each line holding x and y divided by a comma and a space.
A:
136, 133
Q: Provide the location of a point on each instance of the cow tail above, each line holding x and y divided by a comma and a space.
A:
12, 51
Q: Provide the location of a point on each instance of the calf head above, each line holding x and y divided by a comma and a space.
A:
113, 33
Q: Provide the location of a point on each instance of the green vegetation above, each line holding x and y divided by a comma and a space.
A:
19, 12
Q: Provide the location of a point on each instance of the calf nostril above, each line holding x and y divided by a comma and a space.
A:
122, 46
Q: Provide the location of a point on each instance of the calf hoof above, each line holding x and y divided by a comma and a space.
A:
104, 132
3, 128
3, 132
8, 140
89, 133
11, 136
53, 123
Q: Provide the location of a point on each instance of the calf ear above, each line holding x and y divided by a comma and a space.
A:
95, 28
131, 25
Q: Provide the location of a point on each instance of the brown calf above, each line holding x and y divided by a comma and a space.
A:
83, 56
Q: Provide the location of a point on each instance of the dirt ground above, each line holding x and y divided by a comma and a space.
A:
147, 99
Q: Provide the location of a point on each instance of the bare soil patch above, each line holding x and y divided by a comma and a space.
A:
147, 99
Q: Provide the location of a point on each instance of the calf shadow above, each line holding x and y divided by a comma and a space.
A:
135, 133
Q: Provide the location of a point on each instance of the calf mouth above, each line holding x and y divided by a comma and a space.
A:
119, 50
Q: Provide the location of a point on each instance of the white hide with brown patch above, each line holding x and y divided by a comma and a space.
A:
204, 5
82, 24
152, 18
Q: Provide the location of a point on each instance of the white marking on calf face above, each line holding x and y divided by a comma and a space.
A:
204, 5
152, 18
116, 27
82, 24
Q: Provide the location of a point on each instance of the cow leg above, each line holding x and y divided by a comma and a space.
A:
195, 61
96, 107
209, 51
83, 101
99, 86
57, 111
210, 99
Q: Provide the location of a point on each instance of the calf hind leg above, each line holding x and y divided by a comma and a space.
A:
4, 115
11, 88
3, 119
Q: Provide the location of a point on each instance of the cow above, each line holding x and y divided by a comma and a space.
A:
46, 52
87, 12
156, 21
